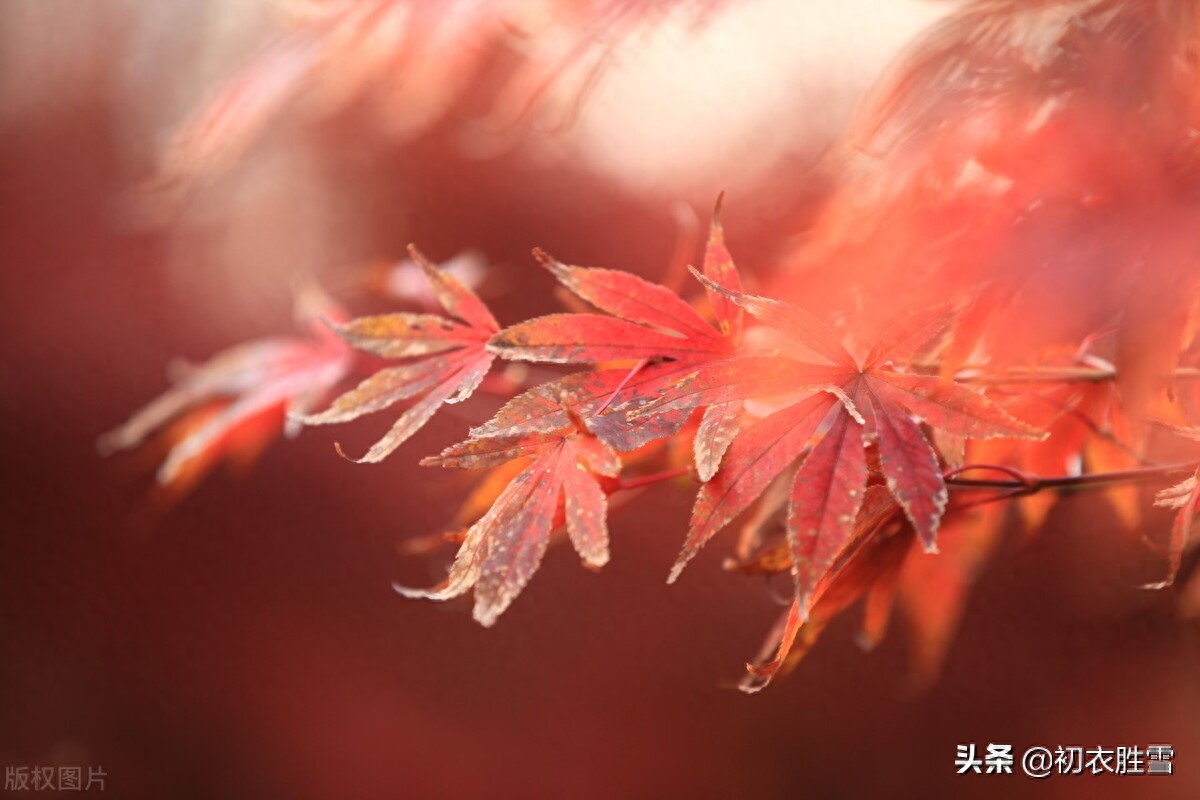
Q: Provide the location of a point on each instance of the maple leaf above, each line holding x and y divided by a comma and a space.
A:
869, 564
758, 455
237, 446
879, 404
645, 321
885, 566
505, 546
1183, 497
242, 386
405, 279
448, 359
661, 336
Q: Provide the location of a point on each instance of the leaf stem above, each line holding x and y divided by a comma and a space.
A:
1023, 483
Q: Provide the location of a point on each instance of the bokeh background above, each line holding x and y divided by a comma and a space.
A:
246, 643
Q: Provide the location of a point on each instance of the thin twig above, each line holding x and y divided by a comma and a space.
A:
1019, 375
1022, 483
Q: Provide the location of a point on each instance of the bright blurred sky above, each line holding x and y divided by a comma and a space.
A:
680, 108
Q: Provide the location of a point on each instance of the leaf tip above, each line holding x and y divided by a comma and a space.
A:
752, 683
734, 297
109, 443
432, 272
169, 471
340, 330
556, 267
803, 605
595, 562
407, 591
486, 615
370, 458
499, 345
865, 641
304, 420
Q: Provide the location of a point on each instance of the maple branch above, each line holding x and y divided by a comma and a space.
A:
1023, 483
1019, 375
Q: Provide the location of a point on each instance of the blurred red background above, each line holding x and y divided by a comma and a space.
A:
247, 644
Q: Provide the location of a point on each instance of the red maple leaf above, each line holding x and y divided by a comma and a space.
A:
879, 404
505, 546
1184, 497
869, 564
447, 357
662, 338
241, 389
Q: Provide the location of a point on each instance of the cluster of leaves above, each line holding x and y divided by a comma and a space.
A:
1071, 133
839, 461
